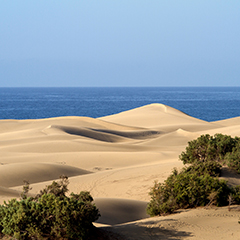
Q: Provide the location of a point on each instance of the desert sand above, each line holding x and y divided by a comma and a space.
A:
117, 158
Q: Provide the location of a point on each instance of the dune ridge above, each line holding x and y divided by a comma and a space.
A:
117, 158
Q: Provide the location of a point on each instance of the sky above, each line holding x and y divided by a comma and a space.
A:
110, 43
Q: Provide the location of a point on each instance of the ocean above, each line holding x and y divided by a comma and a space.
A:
206, 103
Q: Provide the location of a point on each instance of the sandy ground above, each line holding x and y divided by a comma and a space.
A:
117, 158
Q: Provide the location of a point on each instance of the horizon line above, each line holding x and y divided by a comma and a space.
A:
120, 87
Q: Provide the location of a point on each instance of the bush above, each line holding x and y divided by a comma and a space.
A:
211, 168
233, 159
236, 194
206, 147
51, 215
197, 150
197, 184
186, 190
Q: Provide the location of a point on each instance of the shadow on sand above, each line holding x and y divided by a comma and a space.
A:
146, 231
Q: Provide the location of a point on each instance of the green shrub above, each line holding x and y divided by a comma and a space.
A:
211, 168
197, 184
197, 150
236, 194
51, 215
233, 159
206, 147
186, 190
218, 148
58, 189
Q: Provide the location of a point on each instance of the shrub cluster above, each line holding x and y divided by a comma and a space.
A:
233, 158
209, 148
187, 189
197, 184
50, 215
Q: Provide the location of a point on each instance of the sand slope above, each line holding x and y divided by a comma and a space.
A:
195, 224
117, 158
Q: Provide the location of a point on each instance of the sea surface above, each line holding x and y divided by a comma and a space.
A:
206, 103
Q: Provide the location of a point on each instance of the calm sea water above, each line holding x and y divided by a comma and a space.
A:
208, 103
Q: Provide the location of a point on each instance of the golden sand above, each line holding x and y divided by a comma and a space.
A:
117, 158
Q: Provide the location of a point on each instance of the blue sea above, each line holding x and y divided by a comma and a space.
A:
207, 103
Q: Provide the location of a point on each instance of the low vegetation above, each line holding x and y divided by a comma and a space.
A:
49, 215
198, 184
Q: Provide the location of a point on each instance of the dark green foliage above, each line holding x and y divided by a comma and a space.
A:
186, 190
58, 189
82, 196
197, 150
218, 148
26, 189
211, 168
233, 158
52, 215
236, 194
208, 147
224, 144
197, 184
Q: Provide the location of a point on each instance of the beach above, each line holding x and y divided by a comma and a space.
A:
116, 158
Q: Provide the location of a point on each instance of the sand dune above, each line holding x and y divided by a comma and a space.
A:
117, 158
155, 116
4, 191
108, 135
12, 175
229, 122
196, 224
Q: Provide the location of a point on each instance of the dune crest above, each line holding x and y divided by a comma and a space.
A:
117, 158
156, 116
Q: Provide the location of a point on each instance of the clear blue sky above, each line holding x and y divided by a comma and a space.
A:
119, 43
